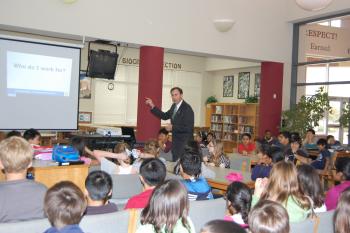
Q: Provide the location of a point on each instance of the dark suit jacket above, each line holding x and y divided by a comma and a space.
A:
183, 124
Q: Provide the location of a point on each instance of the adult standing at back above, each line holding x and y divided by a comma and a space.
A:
182, 120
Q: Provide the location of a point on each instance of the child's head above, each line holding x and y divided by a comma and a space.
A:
239, 198
151, 147
32, 136
198, 137
191, 164
341, 218
79, 144
152, 172
310, 134
98, 185
64, 204
310, 184
222, 226
163, 135
274, 155
218, 148
321, 143
267, 134
210, 137
295, 143
268, 217
123, 147
13, 133
342, 166
168, 204
330, 140
283, 183
284, 137
16, 155
246, 137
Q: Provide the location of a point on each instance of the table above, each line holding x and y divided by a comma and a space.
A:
49, 173
220, 182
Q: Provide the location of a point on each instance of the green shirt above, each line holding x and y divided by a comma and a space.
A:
179, 228
295, 211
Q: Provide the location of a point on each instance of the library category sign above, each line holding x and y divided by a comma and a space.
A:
325, 41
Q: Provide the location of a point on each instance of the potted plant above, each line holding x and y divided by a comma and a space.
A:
211, 99
306, 113
344, 119
251, 99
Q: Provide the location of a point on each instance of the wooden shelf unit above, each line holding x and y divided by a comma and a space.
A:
228, 121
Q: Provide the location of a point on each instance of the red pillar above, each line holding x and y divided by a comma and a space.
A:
270, 103
150, 85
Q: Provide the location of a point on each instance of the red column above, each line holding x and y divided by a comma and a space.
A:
270, 103
150, 85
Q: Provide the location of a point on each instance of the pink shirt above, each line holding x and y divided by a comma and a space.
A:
139, 201
334, 193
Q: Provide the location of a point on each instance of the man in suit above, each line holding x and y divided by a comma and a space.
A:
182, 121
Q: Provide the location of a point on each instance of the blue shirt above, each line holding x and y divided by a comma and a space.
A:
66, 229
198, 189
320, 162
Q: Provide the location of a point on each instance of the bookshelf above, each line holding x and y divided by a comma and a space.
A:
228, 121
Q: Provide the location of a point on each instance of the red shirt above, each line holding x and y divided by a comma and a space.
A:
139, 201
249, 148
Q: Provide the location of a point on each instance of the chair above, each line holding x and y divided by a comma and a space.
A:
242, 163
124, 187
106, 223
167, 156
326, 222
306, 226
202, 212
32, 226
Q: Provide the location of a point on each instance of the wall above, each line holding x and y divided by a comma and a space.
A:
217, 83
182, 25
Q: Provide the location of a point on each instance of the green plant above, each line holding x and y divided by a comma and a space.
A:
344, 119
306, 113
251, 99
211, 99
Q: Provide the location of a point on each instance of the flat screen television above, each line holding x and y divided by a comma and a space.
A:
102, 64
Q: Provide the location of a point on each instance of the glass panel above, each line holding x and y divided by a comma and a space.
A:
334, 131
321, 128
339, 71
333, 116
308, 90
312, 73
339, 90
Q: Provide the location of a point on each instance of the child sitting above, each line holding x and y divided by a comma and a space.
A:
221, 226
269, 157
218, 158
123, 156
310, 185
163, 140
332, 143
20, 199
343, 175
238, 199
322, 161
190, 170
33, 137
282, 187
98, 189
246, 147
310, 140
167, 210
268, 217
64, 207
150, 150
152, 173
341, 218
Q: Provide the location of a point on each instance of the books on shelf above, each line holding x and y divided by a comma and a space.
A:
216, 119
246, 129
218, 109
242, 120
230, 119
216, 127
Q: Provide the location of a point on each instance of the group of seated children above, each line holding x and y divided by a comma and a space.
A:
289, 194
